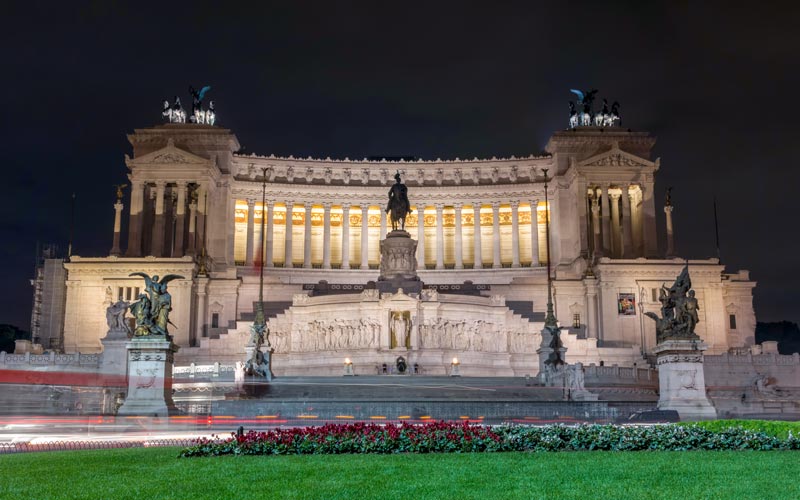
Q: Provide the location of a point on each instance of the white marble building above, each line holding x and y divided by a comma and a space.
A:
479, 220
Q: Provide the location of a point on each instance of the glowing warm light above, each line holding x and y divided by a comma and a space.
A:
404, 417
345, 416
347, 361
455, 361
377, 417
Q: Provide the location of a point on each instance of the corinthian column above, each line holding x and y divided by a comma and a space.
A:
605, 213
364, 236
534, 233
345, 236
439, 236
180, 222
421, 237
268, 212
514, 234
251, 224
307, 238
596, 242
458, 236
135, 224
670, 237
157, 241
496, 263
191, 245
627, 226
326, 236
287, 253
615, 229
476, 210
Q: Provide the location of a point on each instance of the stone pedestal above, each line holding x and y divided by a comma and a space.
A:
149, 377
398, 264
262, 365
682, 385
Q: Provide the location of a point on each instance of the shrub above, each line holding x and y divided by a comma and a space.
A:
443, 437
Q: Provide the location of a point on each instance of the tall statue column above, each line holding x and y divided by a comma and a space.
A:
191, 244
307, 240
496, 263
535, 233
326, 235
616, 239
627, 223
421, 236
135, 225
287, 253
269, 212
597, 243
514, 234
439, 236
605, 213
365, 236
157, 242
180, 220
251, 225
202, 207
345, 236
591, 307
478, 259
117, 221
670, 236
458, 237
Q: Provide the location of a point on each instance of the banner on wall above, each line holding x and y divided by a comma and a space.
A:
626, 304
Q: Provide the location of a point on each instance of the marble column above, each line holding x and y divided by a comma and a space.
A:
251, 225
135, 224
496, 263
649, 221
269, 213
117, 227
596, 241
307, 236
326, 236
383, 225
476, 210
514, 234
345, 236
670, 235
364, 236
180, 220
287, 252
605, 213
157, 241
591, 307
191, 244
534, 233
459, 238
421, 237
627, 226
202, 207
201, 323
615, 228
439, 236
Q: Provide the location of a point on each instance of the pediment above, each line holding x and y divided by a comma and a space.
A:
170, 155
398, 300
615, 157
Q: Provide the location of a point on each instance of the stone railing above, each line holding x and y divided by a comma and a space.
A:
194, 370
619, 374
23, 361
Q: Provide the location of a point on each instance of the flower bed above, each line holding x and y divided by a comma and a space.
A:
443, 437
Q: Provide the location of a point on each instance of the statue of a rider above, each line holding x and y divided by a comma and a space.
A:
398, 206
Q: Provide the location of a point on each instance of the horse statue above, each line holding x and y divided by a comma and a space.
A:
615, 119
573, 115
398, 206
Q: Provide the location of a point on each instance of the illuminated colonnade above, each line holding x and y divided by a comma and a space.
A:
331, 236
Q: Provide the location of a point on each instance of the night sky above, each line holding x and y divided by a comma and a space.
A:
716, 85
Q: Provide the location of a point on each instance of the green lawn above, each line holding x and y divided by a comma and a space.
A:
156, 473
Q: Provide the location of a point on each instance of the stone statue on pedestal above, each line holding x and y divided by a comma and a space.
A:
679, 309
115, 318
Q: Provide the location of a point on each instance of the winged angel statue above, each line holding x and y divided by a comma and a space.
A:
151, 311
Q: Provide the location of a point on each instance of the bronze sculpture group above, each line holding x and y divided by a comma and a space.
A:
398, 206
679, 310
151, 311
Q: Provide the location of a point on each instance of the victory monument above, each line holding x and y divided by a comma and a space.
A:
150, 350
680, 352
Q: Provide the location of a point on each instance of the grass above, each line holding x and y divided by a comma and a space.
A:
156, 473
771, 427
